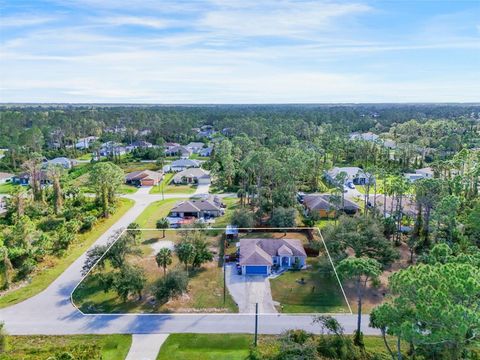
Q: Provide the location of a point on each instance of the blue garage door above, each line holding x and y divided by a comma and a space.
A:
256, 270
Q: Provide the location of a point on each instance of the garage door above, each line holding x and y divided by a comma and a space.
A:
256, 270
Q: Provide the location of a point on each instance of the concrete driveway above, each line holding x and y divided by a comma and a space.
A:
248, 290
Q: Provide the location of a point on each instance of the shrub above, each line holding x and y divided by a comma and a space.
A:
87, 223
172, 285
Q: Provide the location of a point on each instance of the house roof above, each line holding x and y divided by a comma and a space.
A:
196, 206
195, 145
261, 251
367, 136
143, 174
425, 170
178, 148
185, 163
351, 171
323, 202
197, 173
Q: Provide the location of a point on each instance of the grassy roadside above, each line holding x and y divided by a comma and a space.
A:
230, 346
109, 347
156, 210
45, 277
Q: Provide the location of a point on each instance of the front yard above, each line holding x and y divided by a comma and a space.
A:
155, 211
319, 292
205, 287
168, 187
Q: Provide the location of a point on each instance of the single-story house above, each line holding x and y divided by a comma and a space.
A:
258, 256
191, 176
141, 144
84, 143
5, 177
390, 144
368, 136
355, 175
178, 150
112, 148
427, 172
389, 203
322, 205
206, 151
24, 178
202, 208
195, 147
143, 178
183, 164
64, 162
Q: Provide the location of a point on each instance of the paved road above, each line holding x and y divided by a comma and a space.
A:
51, 313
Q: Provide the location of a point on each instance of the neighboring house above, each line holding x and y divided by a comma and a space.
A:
143, 178
24, 178
355, 175
323, 206
424, 173
259, 256
206, 152
112, 148
427, 172
191, 176
183, 164
195, 147
5, 177
84, 143
389, 204
389, 144
178, 150
204, 208
141, 144
206, 131
368, 136
169, 145
64, 162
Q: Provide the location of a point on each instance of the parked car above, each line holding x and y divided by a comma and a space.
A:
351, 185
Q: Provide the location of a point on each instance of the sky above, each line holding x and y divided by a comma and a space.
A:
239, 51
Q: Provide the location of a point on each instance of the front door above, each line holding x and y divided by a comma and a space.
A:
285, 261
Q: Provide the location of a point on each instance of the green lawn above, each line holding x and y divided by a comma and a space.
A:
321, 292
205, 347
87, 156
231, 346
82, 347
223, 221
167, 187
7, 188
43, 278
156, 210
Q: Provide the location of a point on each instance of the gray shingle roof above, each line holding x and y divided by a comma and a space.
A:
261, 251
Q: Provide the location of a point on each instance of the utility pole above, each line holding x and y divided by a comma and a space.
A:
224, 281
256, 324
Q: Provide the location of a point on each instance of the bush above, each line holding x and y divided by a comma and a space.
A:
87, 223
26, 268
283, 217
172, 285
243, 218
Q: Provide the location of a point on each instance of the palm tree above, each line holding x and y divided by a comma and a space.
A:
162, 224
164, 258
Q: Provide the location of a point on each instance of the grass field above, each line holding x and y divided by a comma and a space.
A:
167, 187
156, 210
231, 346
205, 347
109, 347
320, 292
45, 277
231, 205
7, 188
84, 157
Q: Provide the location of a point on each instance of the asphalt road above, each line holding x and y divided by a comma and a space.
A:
51, 312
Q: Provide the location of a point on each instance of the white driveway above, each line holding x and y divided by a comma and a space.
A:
203, 187
248, 290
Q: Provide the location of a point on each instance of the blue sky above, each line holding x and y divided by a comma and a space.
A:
239, 51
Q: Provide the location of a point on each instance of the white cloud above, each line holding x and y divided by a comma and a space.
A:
24, 21
135, 20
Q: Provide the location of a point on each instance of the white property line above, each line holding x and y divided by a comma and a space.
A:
199, 313
335, 270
